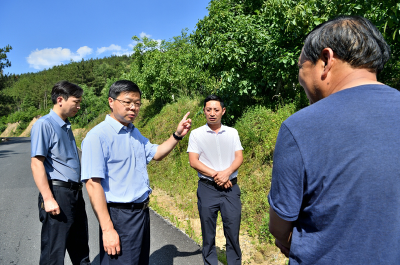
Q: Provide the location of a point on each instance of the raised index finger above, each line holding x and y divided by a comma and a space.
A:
185, 117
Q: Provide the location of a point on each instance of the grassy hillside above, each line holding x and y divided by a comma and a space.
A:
258, 128
177, 181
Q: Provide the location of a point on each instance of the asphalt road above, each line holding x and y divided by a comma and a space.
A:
20, 225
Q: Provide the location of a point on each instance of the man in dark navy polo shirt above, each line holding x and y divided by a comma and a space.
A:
335, 181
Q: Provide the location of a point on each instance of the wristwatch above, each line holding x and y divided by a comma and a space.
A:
177, 137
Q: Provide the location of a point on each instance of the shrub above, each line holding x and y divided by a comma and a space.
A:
258, 129
3, 127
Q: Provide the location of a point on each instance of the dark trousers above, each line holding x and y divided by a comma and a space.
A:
66, 231
133, 228
211, 200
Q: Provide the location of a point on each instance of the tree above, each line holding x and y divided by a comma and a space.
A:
4, 62
252, 47
167, 70
5, 101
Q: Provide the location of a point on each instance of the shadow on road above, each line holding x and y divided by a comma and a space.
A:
96, 260
14, 140
163, 256
6, 153
167, 253
6, 141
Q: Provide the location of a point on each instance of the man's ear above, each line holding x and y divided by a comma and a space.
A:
328, 60
110, 103
223, 110
60, 100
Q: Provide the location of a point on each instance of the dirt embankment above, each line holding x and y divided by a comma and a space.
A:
27, 131
269, 255
11, 127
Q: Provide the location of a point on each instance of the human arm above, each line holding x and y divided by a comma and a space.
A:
281, 230
166, 147
286, 194
97, 197
196, 164
222, 177
39, 175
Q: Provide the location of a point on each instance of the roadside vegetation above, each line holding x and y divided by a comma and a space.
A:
245, 51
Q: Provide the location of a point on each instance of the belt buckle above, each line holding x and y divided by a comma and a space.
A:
145, 205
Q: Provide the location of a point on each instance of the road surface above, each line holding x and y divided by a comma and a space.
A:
20, 225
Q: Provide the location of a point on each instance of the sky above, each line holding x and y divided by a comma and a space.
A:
45, 33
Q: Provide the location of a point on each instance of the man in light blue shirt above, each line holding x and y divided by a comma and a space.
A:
56, 170
114, 164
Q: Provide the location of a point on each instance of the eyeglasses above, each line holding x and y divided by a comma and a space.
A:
128, 104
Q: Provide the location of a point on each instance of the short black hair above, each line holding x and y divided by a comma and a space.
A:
65, 90
353, 39
214, 97
123, 86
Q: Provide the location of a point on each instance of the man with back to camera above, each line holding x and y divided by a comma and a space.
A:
56, 170
114, 164
335, 182
215, 152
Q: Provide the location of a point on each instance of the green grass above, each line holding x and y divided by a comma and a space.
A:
258, 129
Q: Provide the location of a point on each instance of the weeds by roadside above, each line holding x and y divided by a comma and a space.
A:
258, 129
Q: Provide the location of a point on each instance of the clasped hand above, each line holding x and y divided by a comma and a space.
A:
221, 178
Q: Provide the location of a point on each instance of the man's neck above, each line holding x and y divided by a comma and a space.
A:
352, 78
215, 127
59, 112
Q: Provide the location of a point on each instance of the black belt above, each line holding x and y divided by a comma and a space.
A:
129, 206
212, 183
70, 185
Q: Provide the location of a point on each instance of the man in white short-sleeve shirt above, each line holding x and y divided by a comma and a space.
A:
215, 152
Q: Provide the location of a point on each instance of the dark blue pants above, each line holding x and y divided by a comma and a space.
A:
133, 228
212, 200
66, 231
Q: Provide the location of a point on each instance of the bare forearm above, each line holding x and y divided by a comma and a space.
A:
223, 176
280, 229
165, 148
99, 203
40, 177
111, 242
235, 164
202, 169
